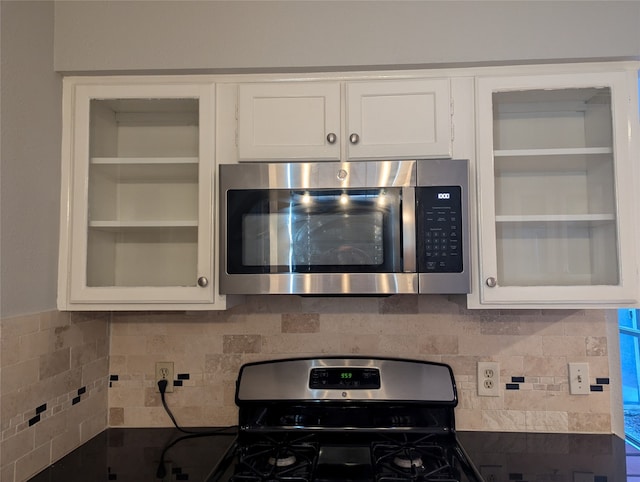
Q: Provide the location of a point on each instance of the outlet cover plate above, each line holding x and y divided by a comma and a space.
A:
164, 370
488, 379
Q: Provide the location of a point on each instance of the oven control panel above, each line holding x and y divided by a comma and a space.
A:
344, 377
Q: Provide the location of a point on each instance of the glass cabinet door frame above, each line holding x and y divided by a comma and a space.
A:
625, 128
77, 205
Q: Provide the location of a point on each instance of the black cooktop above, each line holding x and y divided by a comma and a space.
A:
134, 455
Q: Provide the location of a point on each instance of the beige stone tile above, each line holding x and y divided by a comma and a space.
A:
242, 344
9, 351
523, 400
32, 345
468, 419
65, 442
47, 429
52, 319
355, 323
83, 354
398, 304
462, 365
596, 345
128, 344
360, 344
95, 370
7, 472
54, 363
499, 345
116, 416
300, 344
439, 344
166, 345
17, 446
92, 426
504, 420
589, 422
33, 462
550, 366
222, 366
300, 322
14, 327
400, 345
563, 346
65, 336
585, 323
146, 417
342, 305
19, 375
119, 396
547, 421
441, 304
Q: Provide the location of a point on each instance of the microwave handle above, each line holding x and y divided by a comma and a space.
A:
409, 230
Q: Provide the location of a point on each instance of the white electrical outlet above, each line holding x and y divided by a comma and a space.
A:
489, 379
164, 371
579, 378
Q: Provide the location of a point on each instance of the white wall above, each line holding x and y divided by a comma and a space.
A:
30, 154
183, 34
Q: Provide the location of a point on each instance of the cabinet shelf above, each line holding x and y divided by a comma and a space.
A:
550, 160
119, 225
556, 218
149, 169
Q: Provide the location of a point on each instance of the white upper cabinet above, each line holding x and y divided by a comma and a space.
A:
404, 119
289, 120
137, 197
556, 184
381, 119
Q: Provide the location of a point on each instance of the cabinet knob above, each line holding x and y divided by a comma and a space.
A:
491, 282
332, 138
354, 138
203, 281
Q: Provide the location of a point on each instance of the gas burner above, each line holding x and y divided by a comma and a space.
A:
273, 459
283, 459
406, 462
419, 460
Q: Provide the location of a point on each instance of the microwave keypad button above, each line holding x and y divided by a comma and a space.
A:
439, 229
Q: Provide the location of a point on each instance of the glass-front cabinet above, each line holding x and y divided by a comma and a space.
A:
139, 213
557, 208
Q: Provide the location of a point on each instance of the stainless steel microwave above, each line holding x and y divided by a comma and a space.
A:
345, 228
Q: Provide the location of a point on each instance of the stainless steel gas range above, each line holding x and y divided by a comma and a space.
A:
346, 419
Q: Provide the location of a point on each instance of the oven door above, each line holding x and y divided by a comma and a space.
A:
319, 240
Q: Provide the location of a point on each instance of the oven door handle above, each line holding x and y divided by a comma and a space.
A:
409, 230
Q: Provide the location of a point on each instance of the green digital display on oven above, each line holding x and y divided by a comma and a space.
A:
341, 378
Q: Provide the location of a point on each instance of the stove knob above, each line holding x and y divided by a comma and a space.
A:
344, 394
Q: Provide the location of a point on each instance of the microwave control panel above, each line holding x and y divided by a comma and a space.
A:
439, 229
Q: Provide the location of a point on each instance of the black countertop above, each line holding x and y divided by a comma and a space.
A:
135, 454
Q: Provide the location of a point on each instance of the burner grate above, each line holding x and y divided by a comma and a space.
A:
275, 460
419, 460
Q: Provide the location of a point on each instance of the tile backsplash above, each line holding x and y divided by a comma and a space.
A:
533, 348
67, 376
53, 388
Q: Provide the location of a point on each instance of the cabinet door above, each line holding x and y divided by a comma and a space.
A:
289, 120
403, 119
140, 194
556, 188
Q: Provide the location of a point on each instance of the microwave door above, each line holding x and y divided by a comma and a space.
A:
317, 241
